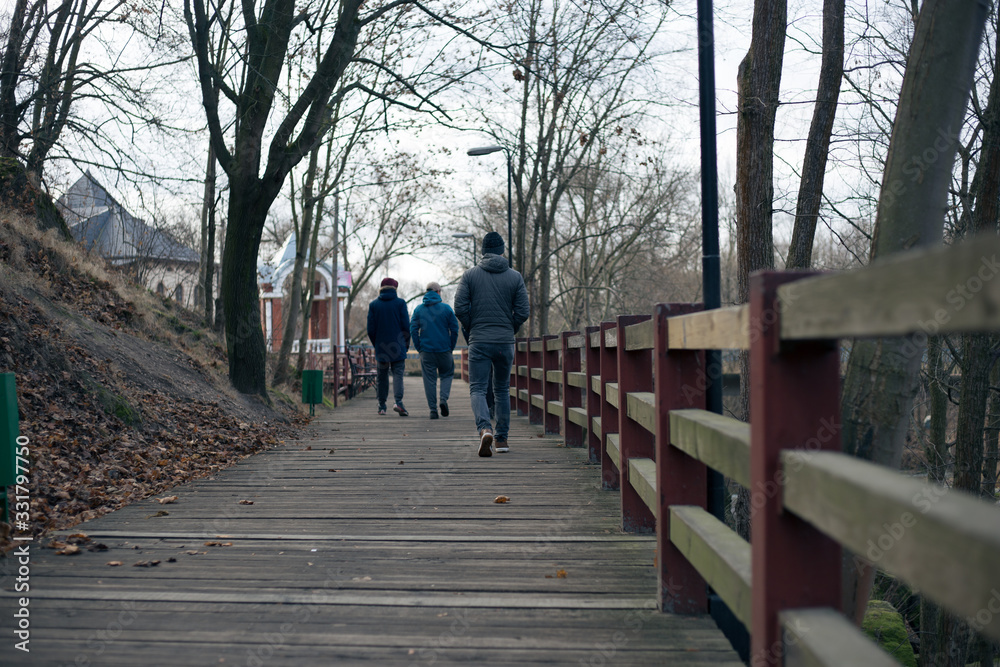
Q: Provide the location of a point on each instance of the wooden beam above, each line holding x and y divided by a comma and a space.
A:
577, 341
641, 408
943, 542
611, 393
535, 345
538, 401
720, 555
824, 638
642, 477
578, 416
640, 336
577, 379
718, 329
536, 373
722, 443
553, 376
554, 408
614, 452
939, 290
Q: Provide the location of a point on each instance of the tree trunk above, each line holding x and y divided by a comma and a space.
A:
207, 268
758, 83
990, 450
818, 144
882, 374
937, 444
240, 296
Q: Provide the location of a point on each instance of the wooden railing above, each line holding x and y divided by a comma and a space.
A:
633, 392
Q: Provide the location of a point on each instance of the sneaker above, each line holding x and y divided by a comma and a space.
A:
381, 409
434, 414
444, 408
486, 443
401, 410
500, 444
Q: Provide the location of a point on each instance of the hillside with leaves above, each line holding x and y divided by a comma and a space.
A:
121, 393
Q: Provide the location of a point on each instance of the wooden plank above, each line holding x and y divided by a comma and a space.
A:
553, 376
555, 408
613, 448
641, 407
522, 371
611, 393
577, 379
640, 336
522, 394
824, 638
596, 426
938, 290
720, 555
943, 542
595, 384
611, 338
535, 345
718, 329
538, 401
642, 477
578, 416
595, 339
522, 346
553, 344
722, 443
536, 373
578, 341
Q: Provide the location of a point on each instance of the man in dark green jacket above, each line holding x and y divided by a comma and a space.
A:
434, 332
492, 304
389, 332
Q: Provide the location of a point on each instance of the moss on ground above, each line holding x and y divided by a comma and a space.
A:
885, 626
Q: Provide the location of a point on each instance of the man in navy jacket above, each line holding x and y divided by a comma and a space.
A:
434, 332
389, 332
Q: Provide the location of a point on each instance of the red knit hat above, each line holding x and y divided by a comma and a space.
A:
388, 283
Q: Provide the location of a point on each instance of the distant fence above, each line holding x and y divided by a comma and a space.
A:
632, 391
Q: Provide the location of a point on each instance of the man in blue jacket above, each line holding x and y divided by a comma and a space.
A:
492, 304
389, 332
434, 332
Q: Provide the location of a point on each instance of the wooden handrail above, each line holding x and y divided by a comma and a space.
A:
633, 392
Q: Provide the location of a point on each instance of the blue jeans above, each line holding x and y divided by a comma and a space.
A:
482, 358
434, 364
382, 384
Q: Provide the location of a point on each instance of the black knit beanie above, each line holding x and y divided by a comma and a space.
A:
493, 244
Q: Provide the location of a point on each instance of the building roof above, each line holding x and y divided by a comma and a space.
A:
103, 225
279, 266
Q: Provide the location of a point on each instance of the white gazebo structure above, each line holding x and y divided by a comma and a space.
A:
274, 283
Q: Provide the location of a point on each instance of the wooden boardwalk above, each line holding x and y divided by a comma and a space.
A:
372, 539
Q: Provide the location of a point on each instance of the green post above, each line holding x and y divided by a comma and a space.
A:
312, 389
9, 432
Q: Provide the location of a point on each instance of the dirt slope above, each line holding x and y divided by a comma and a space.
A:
121, 393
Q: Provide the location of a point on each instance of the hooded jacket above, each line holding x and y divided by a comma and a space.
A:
492, 302
389, 327
433, 327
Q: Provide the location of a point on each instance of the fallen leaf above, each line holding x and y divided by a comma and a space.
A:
166, 500
309, 448
333, 470
171, 560
561, 574
400, 463
141, 563
501, 499
68, 550
246, 502
160, 513
114, 563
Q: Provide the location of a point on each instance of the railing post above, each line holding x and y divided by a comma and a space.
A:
521, 397
535, 413
795, 389
595, 399
609, 413
572, 397
635, 373
680, 383
550, 388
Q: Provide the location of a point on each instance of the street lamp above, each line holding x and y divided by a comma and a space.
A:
486, 150
467, 235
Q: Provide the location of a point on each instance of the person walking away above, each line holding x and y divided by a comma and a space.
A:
434, 333
389, 333
492, 304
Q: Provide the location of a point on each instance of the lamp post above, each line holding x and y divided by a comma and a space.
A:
486, 150
467, 235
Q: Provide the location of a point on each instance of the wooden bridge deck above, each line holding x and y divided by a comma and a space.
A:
372, 539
